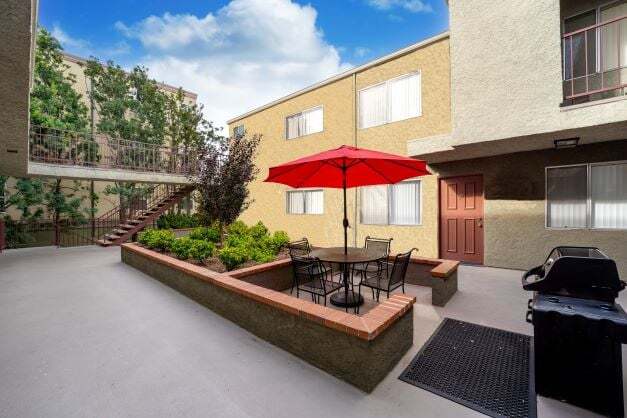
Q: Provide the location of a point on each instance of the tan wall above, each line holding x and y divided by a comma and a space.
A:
18, 19
506, 72
338, 99
514, 211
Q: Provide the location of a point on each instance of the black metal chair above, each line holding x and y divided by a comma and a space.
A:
378, 244
299, 248
312, 277
386, 278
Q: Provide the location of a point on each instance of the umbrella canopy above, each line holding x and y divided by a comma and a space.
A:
346, 167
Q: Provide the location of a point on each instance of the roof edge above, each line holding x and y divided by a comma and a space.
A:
363, 67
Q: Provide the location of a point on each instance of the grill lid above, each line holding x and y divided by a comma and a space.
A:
584, 272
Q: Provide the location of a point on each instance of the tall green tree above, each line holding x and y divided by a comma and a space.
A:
53, 101
54, 104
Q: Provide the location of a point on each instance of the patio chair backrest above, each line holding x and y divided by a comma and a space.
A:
379, 244
399, 268
299, 248
305, 267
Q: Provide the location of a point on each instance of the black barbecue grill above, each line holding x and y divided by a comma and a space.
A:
578, 328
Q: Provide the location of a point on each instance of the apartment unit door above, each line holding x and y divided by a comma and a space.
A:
461, 218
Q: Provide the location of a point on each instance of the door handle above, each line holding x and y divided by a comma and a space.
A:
480, 222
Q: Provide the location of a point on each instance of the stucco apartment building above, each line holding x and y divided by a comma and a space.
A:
520, 112
379, 105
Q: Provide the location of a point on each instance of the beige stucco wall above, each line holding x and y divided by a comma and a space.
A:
339, 101
18, 19
514, 210
507, 73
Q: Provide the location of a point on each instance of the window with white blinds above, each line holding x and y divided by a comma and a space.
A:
391, 101
608, 197
305, 202
304, 123
587, 196
396, 204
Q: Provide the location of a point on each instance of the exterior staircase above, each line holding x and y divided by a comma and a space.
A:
120, 230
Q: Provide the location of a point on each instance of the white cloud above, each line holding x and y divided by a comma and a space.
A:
244, 55
76, 45
361, 51
84, 48
414, 6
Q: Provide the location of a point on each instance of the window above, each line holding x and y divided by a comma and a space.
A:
309, 202
396, 204
304, 123
587, 196
594, 55
391, 101
239, 131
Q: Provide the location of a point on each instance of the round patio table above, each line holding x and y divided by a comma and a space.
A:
354, 255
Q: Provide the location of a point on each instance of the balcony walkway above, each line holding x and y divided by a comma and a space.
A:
85, 335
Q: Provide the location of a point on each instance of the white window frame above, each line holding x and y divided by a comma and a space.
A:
303, 192
387, 203
311, 109
588, 199
387, 95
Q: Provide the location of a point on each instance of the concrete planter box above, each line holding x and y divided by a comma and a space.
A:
360, 350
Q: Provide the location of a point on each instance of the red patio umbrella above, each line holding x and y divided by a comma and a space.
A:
346, 167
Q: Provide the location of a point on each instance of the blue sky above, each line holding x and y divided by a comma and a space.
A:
239, 54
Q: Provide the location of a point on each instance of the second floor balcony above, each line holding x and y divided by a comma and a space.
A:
121, 158
594, 50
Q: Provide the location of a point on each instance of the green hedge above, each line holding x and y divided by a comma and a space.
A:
178, 221
255, 243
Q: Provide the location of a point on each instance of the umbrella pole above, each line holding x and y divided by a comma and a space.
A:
345, 222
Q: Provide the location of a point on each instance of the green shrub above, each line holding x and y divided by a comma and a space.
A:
258, 231
178, 221
200, 250
205, 233
237, 228
161, 239
279, 240
181, 247
232, 257
262, 255
145, 236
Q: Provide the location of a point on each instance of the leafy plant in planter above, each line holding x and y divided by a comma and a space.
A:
232, 257
181, 246
200, 250
161, 239
210, 234
177, 221
144, 237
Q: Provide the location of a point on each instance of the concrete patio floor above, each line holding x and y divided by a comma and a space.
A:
82, 334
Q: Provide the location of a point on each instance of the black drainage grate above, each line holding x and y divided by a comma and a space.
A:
486, 369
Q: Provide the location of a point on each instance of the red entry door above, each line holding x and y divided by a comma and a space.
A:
461, 219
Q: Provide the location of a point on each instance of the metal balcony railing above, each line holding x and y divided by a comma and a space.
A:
60, 147
595, 61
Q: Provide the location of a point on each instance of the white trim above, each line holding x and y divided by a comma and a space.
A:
363, 67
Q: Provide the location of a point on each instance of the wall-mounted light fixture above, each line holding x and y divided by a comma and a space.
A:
566, 143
